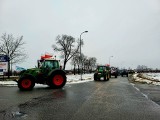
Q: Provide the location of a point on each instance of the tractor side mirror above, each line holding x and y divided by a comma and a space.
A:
40, 63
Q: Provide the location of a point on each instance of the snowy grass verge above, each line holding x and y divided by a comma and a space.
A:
146, 78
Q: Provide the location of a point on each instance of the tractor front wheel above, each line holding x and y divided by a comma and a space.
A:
26, 83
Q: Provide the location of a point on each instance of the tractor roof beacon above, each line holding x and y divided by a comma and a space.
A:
48, 72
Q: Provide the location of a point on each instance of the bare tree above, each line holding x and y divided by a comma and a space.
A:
67, 46
76, 62
92, 63
13, 48
84, 61
88, 63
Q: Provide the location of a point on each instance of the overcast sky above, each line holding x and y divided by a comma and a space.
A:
128, 30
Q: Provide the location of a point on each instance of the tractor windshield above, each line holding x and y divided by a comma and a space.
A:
101, 68
53, 64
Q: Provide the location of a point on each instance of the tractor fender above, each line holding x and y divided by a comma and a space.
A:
57, 71
29, 76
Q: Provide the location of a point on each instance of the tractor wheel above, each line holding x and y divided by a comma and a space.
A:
105, 77
95, 77
26, 83
108, 76
57, 80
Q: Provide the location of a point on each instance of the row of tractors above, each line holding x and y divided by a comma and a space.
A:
105, 72
49, 72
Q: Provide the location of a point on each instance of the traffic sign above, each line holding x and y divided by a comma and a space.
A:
4, 58
3, 64
1, 71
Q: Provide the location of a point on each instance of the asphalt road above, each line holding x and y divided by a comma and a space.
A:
116, 99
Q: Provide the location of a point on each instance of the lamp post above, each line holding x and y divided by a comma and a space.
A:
81, 52
109, 59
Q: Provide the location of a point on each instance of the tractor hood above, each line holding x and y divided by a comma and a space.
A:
32, 71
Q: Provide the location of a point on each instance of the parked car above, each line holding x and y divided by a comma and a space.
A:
113, 72
124, 72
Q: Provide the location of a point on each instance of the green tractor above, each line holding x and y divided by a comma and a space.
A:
102, 72
48, 72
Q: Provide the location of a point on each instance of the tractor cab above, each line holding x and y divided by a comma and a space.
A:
101, 69
48, 63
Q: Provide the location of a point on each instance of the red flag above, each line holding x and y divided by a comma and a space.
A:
42, 57
46, 56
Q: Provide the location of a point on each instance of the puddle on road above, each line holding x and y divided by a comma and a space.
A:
13, 113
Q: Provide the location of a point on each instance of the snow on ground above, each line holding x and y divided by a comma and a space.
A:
71, 79
149, 78
154, 75
77, 78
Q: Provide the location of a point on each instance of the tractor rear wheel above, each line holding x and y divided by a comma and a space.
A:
57, 80
26, 83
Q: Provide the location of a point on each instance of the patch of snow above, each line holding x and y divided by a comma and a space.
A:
154, 75
71, 79
149, 78
8, 83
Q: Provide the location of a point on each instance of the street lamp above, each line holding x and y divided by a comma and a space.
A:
81, 52
109, 59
